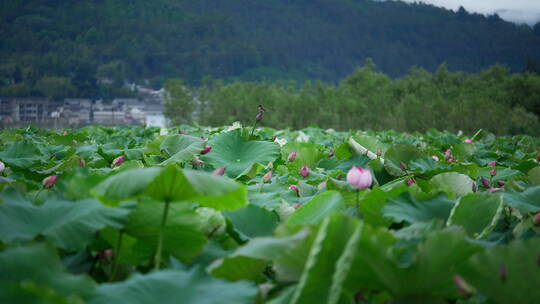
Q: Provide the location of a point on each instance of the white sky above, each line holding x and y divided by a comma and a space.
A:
520, 11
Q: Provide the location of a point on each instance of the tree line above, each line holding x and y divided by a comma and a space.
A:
494, 99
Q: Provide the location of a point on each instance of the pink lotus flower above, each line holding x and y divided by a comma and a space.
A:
304, 171
292, 156
2, 167
219, 171
468, 140
359, 178
206, 149
295, 189
49, 181
118, 161
492, 164
267, 177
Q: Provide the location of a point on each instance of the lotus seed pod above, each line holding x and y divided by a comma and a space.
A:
49, 181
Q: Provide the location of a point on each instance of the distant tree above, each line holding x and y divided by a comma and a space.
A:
179, 104
56, 88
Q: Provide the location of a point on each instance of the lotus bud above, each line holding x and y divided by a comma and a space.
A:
410, 182
402, 166
65, 133
292, 156
536, 219
435, 158
501, 183
219, 171
378, 152
503, 273
2, 167
267, 177
359, 178
82, 163
474, 187
451, 160
331, 154
491, 190
463, 287
447, 153
493, 172
49, 181
295, 189
204, 138
270, 165
259, 116
485, 182
197, 161
106, 254
304, 171
297, 205
118, 161
206, 149
468, 140
261, 108
492, 164
538, 157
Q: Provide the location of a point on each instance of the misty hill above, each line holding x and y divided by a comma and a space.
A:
72, 43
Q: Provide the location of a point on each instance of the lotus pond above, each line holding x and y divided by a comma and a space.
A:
226, 215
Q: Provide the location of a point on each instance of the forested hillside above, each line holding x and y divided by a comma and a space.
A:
70, 44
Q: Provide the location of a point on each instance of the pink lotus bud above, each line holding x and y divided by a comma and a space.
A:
410, 182
259, 116
267, 177
536, 219
118, 161
295, 189
447, 153
197, 161
491, 190
81, 162
463, 287
2, 167
297, 205
492, 164
493, 172
204, 138
331, 154
451, 160
65, 133
501, 183
485, 182
402, 166
359, 178
503, 273
219, 171
206, 149
538, 157
468, 140
304, 171
106, 254
292, 156
434, 157
184, 132
49, 181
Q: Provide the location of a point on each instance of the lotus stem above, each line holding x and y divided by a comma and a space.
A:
157, 260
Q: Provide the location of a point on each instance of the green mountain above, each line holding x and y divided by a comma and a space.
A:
69, 44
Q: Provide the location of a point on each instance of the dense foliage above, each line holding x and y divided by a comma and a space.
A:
134, 215
494, 99
70, 44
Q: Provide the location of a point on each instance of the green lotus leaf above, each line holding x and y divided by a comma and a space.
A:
477, 213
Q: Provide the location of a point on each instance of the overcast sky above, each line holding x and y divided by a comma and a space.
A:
520, 11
